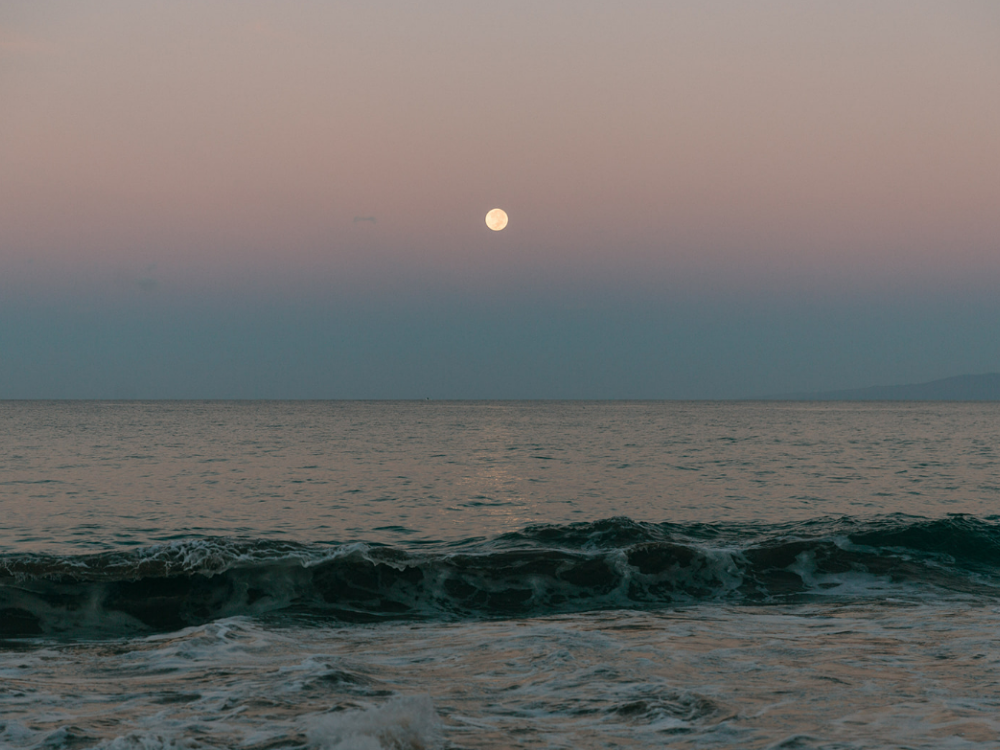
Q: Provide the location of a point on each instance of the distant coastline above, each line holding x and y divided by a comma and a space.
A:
985, 387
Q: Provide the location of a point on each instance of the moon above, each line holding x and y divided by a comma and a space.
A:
496, 219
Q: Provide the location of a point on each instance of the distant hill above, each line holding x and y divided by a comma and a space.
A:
959, 388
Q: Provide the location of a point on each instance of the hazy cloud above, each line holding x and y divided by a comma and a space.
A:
369, 219
145, 280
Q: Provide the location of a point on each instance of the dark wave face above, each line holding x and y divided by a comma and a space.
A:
610, 564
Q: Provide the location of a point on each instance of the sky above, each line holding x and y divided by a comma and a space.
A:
286, 200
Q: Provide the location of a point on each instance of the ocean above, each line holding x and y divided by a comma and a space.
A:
404, 575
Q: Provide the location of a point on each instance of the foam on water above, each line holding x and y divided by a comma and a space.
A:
151, 741
404, 723
813, 675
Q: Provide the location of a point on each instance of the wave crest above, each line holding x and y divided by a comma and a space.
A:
613, 563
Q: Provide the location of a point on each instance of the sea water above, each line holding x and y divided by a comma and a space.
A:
406, 575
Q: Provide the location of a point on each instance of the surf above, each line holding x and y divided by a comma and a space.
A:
615, 563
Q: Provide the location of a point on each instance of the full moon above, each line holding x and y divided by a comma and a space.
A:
496, 219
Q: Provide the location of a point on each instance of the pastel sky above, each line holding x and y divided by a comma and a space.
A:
286, 200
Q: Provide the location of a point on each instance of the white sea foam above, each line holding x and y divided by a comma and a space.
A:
721, 675
142, 741
14, 734
405, 723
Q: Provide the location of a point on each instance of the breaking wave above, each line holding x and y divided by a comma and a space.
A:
615, 563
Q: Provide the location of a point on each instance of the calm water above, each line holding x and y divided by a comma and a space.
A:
486, 575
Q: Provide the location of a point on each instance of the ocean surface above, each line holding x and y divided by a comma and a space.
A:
416, 575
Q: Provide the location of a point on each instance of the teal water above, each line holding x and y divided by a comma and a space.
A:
525, 574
